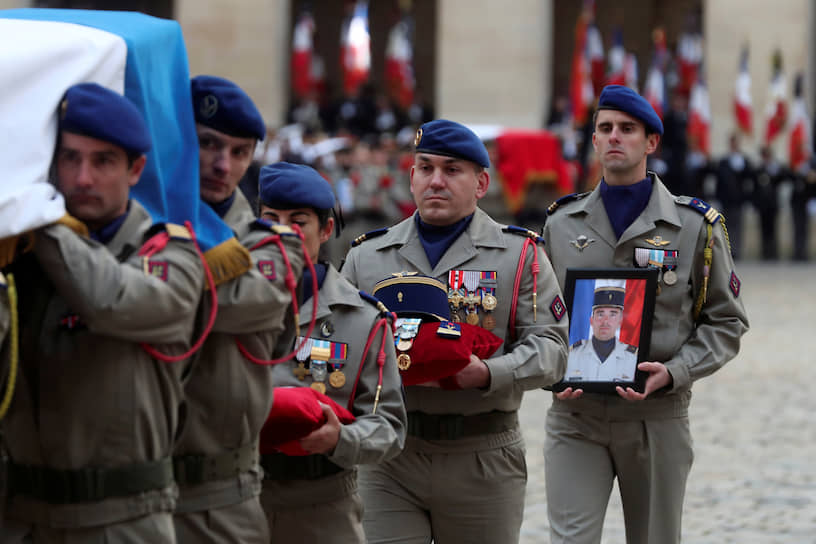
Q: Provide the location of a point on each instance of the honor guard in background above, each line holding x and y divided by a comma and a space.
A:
90, 430
770, 175
642, 439
348, 357
603, 357
735, 183
228, 396
462, 474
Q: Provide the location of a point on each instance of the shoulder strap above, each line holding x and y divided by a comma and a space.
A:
368, 236
565, 200
521, 231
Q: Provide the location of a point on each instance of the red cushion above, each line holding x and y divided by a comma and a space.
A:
295, 413
434, 357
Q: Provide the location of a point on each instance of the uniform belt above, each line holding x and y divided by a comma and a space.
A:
56, 486
456, 426
197, 469
278, 466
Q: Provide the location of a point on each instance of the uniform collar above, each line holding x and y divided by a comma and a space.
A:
137, 222
336, 290
482, 232
660, 208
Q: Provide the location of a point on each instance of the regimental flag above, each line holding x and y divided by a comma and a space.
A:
800, 137
302, 47
582, 93
45, 51
399, 63
743, 110
699, 122
617, 60
581, 311
655, 91
355, 49
689, 57
776, 110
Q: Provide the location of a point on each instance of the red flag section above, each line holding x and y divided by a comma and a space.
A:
800, 128
399, 70
632, 312
699, 120
776, 111
355, 49
302, 47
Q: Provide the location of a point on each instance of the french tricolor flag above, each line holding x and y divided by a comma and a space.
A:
583, 296
356, 49
45, 51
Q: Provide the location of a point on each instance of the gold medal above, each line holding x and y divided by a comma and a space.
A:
403, 361
489, 302
670, 277
337, 379
473, 318
488, 322
404, 345
301, 371
320, 387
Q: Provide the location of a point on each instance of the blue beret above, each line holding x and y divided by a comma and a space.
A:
221, 104
98, 112
414, 294
618, 97
285, 186
443, 137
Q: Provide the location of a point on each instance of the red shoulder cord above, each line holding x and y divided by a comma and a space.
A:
517, 284
151, 247
388, 332
291, 284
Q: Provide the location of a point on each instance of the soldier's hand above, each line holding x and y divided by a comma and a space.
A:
475, 375
659, 378
324, 439
569, 393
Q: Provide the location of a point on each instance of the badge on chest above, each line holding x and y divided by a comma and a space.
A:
472, 297
323, 361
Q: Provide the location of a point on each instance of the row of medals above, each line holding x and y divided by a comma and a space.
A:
468, 305
318, 371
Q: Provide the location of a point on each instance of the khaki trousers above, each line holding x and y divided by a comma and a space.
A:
154, 528
241, 523
651, 458
466, 491
321, 511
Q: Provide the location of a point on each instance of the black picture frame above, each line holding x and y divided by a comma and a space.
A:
584, 287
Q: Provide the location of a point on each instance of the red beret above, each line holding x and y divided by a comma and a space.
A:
295, 413
435, 355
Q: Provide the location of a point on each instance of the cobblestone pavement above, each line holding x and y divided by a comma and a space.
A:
754, 473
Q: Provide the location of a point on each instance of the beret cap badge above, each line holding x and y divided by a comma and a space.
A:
418, 137
208, 106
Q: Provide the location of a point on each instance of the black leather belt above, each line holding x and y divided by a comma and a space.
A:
197, 469
56, 486
456, 426
278, 466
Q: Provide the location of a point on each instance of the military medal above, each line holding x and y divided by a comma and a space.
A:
489, 302
472, 317
488, 322
487, 286
337, 379
472, 300
404, 361
302, 356
670, 264
405, 330
320, 353
320, 387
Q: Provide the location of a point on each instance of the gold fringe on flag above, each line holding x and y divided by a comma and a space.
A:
13, 246
227, 260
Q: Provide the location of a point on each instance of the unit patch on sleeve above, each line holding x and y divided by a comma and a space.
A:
158, 269
734, 283
557, 308
267, 269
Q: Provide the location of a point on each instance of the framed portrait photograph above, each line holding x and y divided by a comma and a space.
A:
610, 312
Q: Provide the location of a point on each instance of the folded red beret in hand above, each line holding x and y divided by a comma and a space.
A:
295, 413
438, 354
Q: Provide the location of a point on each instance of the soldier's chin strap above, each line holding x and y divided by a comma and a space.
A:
388, 332
14, 347
291, 284
156, 244
517, 284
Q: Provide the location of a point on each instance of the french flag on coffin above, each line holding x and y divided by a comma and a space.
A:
583, 297
45, 51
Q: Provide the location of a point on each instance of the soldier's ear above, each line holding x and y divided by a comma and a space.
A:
482, 183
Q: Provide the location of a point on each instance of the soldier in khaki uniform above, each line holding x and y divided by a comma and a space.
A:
314, 498
462, 474
90, 430
642, 439
228, 396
